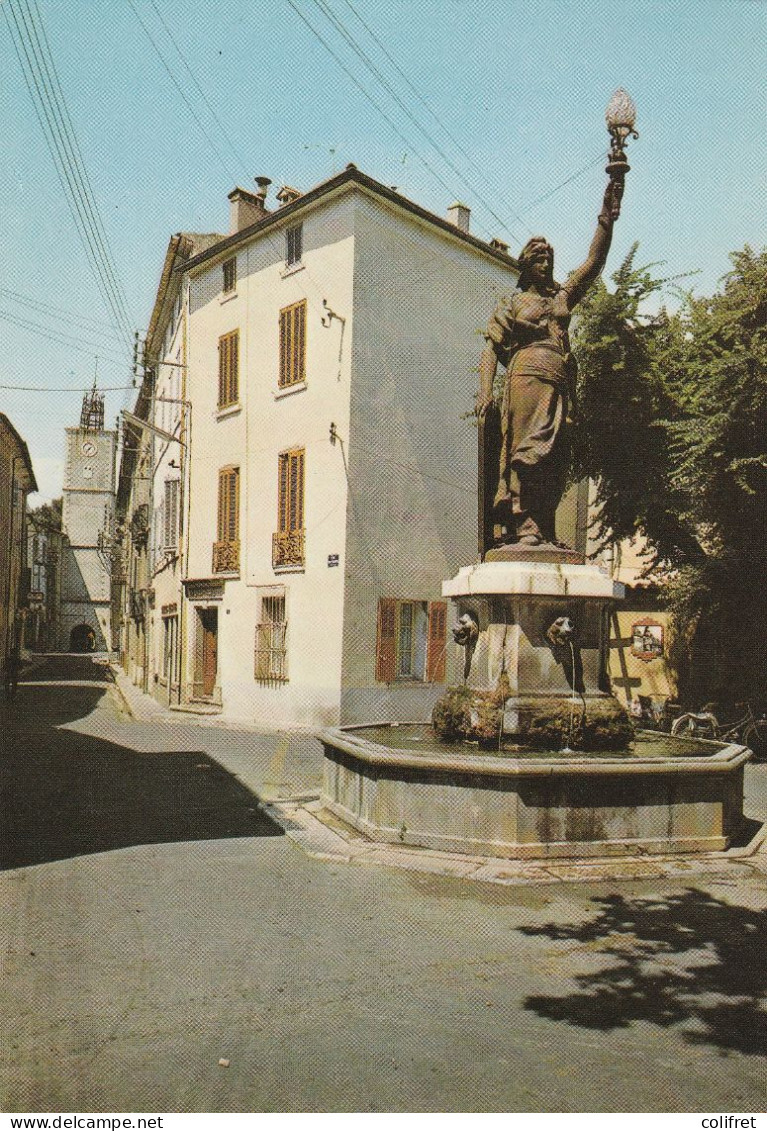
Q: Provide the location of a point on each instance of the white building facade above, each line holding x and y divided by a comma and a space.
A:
331, 357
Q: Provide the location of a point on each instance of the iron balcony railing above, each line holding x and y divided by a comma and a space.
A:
226, 557
287, 548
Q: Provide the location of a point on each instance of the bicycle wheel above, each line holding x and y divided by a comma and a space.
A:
683, 727
755, 738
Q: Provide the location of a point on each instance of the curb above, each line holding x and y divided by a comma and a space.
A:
323, 837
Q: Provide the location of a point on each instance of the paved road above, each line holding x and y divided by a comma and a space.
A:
156, 922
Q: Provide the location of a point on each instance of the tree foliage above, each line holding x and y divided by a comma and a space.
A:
671, 422
48, 515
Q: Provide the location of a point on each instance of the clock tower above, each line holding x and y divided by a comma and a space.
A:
87, 509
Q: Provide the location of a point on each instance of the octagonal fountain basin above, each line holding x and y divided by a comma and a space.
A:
399, 784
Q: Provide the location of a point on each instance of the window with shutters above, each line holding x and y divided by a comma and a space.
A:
288, 540
292, 345
228, 369
271, 664
411, 641
294, 245
226, 550
229, 270
170, 515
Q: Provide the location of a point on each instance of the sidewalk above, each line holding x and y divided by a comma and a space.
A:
145, 708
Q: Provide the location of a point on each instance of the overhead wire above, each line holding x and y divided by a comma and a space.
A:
392, 125
338, 24
180, 89
59, 313
80, 163
193, 77
50, 111
95, 348
64, 388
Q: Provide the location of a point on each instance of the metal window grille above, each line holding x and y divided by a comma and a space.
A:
271, 639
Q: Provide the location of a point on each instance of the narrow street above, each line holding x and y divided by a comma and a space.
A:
157, 921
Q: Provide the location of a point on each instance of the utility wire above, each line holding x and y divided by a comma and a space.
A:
573, 177
64, 389
180, 90
59, 313
392, 125
49, 113
42, 111
80, 165
193, 77
62, 338
371, 66
414, 91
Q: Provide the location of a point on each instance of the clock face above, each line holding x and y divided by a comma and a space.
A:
88, 448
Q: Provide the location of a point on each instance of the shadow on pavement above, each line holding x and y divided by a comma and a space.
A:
688, 960
64, 794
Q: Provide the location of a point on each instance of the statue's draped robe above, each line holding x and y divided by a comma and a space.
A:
529, 335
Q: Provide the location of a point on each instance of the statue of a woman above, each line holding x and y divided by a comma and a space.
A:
528, 333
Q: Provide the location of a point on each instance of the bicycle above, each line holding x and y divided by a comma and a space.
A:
749, 730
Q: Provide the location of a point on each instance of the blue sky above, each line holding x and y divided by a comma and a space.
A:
518, 90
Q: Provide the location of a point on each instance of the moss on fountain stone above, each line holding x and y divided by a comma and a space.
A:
545, 723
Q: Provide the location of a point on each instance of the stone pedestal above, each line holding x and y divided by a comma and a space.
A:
541, 640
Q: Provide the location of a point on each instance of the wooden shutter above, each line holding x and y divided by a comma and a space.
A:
386, 640
435, 652
292, 344
170, 514
228, 369
291, 491
228, 504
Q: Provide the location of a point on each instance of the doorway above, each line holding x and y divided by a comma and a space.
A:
207, 652
82, 639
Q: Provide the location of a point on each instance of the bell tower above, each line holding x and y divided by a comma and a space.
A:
88, 508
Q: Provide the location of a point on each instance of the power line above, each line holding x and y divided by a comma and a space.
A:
64, 389
193, 77
83, 171
59, 313
361, 54
62, 338
574, 176
179, 88
392, 125
58, 132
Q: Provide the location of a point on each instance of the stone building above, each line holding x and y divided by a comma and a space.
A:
17, 479
88, 509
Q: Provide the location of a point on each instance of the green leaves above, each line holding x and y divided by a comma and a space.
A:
671, 422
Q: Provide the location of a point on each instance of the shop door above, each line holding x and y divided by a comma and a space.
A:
209, 625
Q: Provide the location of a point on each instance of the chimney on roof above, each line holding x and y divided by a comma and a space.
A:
499, 245
245, 207
459, 215
287, 195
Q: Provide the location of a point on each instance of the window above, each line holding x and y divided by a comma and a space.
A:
271, 631
170, 646
288, 541
226, 550
170, 515
294, 245
228, 369
230, 275
411, 641
292, 345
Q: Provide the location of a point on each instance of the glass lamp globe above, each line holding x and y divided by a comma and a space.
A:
621, 114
